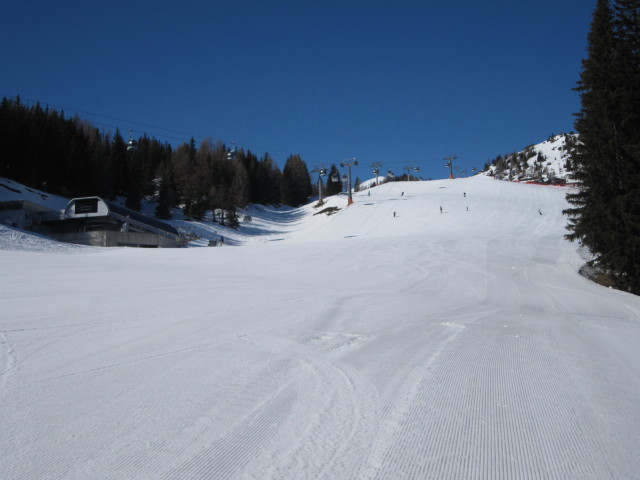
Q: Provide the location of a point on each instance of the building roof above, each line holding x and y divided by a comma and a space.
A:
140, 218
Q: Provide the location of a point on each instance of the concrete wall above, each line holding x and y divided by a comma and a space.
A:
117, 239
15, 218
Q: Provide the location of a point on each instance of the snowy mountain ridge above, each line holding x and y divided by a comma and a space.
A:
546, 162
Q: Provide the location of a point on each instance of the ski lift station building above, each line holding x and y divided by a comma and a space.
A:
91, 221
94, 221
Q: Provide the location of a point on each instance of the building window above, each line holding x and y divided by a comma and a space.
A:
87, 205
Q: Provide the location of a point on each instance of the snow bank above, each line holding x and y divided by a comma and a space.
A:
15, 239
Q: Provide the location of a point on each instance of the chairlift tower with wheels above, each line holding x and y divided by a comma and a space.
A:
409, 168
449, 163
321, 171
349, 164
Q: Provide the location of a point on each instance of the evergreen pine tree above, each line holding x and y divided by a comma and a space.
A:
166, 192
604, 215
134, 180
296, 182
239, 189
117, 168
627, 27
271, 181
77, 171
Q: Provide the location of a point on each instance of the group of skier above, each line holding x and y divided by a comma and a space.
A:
464, 194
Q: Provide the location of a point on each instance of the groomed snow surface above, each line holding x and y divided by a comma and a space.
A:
361, 345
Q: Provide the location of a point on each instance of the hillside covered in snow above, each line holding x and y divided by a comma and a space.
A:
432, 329
546, 162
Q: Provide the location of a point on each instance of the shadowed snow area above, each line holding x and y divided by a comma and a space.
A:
386, 341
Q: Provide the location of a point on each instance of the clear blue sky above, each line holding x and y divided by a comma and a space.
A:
398, 82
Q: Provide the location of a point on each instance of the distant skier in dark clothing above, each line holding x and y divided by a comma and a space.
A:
539, 212
440, 209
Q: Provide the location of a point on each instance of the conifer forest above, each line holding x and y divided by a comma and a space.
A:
42, 148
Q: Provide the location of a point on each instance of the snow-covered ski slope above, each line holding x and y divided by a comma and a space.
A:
454, 345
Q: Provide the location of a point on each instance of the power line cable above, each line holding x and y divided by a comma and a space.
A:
186, 135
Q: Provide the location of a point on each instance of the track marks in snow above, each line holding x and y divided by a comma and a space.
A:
408, 357
335, 342
7, 361
145, 358
334, 417
452, 325
227, 455
334, 421
208, 430
499, 402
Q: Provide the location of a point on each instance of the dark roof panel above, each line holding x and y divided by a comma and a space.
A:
141, 218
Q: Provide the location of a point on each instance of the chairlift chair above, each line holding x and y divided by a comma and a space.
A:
232, 153
131, 144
